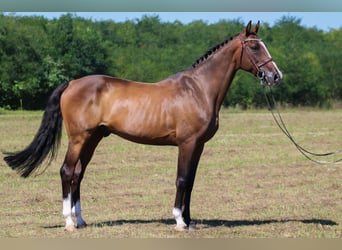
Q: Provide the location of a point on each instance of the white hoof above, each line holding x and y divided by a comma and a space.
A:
70, 229
180, 228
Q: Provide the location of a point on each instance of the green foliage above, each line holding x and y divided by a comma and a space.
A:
37, 54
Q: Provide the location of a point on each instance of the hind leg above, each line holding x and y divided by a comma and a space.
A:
85, 157
79, 154
76, 201
67, 176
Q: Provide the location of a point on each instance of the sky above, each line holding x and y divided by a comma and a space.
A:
321, 20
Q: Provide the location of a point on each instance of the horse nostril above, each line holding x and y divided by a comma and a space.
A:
261, 74
276, 78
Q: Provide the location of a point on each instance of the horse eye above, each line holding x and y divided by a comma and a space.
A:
255, 47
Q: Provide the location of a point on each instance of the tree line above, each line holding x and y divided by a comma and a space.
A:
38, 54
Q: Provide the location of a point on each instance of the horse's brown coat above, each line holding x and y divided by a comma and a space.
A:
182, 110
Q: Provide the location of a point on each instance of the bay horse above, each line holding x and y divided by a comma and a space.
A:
181, 110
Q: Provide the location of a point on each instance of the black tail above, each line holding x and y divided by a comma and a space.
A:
46, 141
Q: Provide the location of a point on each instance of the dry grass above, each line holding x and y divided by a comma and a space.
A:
251, 182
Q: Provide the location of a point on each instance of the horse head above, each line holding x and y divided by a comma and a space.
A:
255, 58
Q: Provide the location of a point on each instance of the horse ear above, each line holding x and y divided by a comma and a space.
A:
248, 28
256, 28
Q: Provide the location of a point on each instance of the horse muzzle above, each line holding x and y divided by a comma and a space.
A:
270, 79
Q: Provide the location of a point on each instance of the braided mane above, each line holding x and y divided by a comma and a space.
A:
211, 51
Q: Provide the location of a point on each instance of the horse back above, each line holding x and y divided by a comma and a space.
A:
159, 113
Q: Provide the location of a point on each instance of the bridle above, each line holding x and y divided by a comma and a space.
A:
257, 65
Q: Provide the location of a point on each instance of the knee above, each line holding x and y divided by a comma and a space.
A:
181, 182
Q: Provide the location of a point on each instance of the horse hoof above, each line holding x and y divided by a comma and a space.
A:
192, 226
82, 225
70, 229
180, 228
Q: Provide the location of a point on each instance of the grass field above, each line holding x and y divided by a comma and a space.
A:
251, 182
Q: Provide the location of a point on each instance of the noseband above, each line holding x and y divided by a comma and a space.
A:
252, 58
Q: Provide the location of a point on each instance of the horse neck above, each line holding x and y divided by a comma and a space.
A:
217, 73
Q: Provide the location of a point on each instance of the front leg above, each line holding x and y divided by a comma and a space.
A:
188, 158
191, 179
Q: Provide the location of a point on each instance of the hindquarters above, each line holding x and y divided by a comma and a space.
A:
80, 104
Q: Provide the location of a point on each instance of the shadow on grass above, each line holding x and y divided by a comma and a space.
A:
217, 223
208, 223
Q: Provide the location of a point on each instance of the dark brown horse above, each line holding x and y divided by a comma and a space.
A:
182, 110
